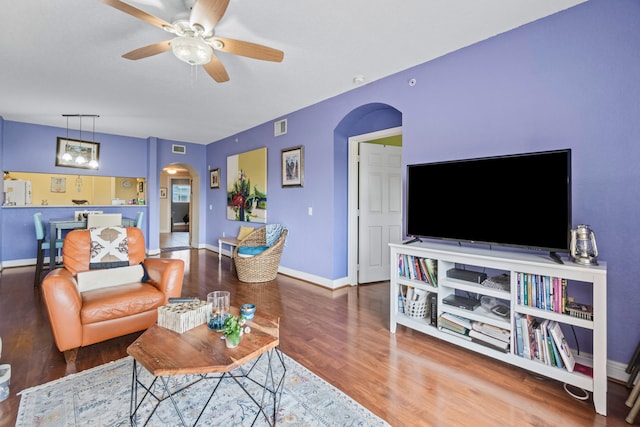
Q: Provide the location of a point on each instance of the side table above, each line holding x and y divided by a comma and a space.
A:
231, 241
200, 351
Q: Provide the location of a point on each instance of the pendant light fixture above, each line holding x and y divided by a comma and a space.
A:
79, 158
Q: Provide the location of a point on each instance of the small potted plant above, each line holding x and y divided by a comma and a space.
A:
232, 330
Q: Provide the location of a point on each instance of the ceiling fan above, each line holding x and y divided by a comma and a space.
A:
195, 40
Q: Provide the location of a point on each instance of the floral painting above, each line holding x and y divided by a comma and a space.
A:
247, 186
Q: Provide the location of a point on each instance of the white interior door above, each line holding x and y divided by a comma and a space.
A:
380, 209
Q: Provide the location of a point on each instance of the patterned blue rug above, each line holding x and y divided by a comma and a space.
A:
101, 396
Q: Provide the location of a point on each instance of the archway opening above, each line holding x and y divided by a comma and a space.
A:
179, 207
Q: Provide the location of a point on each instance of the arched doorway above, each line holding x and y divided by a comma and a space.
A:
179, 207
369, 121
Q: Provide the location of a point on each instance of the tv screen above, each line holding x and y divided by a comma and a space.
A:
521, 200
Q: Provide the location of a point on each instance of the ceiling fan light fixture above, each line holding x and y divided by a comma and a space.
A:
191, 50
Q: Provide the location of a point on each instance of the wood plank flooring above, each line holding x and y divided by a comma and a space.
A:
407, 378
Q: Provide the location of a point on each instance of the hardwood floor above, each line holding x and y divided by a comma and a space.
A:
407, 378
174, 239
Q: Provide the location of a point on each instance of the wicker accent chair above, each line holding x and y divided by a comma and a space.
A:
264, 266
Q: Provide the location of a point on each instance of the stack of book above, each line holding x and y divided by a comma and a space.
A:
454, 325
543, 292
490, 336
417, 268
544, 342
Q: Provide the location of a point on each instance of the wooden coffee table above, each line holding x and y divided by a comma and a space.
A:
165, 353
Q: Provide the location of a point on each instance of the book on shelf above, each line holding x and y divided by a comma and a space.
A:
543, 292
563, 348
486, 339
461, 321
556, 353
519, 340
543, 343
454, 333
444, 323
492, 331
528, 325
417, 268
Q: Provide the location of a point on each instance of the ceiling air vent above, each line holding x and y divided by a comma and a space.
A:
180, 149
280, 127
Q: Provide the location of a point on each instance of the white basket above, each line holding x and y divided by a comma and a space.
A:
415, 309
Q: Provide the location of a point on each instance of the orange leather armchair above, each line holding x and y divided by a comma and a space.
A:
80, 319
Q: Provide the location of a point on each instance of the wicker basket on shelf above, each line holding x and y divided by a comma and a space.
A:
264, 266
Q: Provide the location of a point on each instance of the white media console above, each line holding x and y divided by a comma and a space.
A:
447, 257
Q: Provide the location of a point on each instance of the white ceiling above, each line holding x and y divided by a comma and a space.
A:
64, 57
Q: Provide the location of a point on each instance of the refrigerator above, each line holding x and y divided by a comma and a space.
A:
17, 192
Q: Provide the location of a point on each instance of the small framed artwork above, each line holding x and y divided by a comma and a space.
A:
75, 153
163, 192
58, 185
214, 177
141, 187
293, 167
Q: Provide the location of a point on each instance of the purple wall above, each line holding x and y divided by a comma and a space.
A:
566, 81
32, 148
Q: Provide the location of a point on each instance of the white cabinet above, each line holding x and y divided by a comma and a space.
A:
515, 265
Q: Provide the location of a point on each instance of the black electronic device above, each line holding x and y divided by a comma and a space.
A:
521, 200
432, 304
501, 310
461, 302
467, 275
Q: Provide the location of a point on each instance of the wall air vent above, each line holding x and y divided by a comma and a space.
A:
280, 127
179, 149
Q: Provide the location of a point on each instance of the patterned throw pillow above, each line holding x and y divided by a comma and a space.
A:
273, 233
109, 247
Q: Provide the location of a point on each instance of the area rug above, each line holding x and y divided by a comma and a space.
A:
101, 397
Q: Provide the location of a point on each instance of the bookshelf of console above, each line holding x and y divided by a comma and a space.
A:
512, 263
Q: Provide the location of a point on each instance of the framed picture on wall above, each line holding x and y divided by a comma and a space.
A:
293, 167
163, 192
141, 187
75, 153
214, 178
58, 185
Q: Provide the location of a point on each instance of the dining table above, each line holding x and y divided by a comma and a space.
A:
58, 225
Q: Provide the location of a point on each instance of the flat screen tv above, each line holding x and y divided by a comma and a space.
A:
521, 200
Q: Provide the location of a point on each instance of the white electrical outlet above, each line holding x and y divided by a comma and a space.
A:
310, 211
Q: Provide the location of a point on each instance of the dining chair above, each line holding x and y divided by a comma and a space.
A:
138, 221
103, 220
43, 245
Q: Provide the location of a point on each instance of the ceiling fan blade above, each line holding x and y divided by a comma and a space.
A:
207, 13
137, 13
216, 70
250, 50
146, 51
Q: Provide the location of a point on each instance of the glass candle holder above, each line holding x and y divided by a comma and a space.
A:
219, 308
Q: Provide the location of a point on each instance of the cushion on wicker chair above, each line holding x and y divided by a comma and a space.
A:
248, 251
